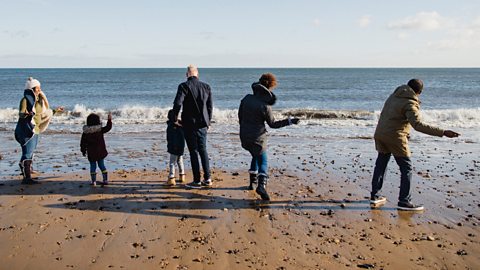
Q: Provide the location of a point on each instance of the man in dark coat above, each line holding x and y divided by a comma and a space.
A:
195, 98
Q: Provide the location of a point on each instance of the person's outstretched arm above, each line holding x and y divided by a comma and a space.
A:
277, 124
412, 112
108, 127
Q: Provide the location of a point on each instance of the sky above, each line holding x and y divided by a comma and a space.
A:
223, 33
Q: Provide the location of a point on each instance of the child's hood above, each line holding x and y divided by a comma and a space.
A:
92, 129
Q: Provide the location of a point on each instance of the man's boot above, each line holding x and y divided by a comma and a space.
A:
27, 173
262, 187
253, 180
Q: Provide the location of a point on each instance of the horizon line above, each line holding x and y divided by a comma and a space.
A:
219, 67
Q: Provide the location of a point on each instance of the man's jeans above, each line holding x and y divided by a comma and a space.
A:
197, 145
259, 164
379, 173
29, 148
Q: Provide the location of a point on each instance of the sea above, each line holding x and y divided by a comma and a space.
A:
340, 105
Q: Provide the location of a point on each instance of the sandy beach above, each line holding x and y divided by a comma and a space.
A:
319, 218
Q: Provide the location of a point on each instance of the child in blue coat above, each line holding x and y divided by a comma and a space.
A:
175, 145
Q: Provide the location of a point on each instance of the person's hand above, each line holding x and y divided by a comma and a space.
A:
450, 134
110, 116
295, 121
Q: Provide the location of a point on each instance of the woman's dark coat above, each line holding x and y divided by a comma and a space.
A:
254, 111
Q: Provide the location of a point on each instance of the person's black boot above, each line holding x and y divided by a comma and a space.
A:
20, 164
27, 173
105, 178
253, 181
262, 187
34, 174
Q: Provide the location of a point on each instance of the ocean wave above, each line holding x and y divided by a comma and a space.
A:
131, 115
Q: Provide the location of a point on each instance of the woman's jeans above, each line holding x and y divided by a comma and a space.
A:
178, 160
101, 165
259, 164
380, 170
29, 148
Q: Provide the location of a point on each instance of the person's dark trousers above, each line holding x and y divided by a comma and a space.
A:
379, 173
197, 145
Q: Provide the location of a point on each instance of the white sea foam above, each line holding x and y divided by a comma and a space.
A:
132, 115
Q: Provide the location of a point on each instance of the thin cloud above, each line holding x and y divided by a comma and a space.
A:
464, 36
425, 21
210, 36
17, 34
476, 22
402, 36
364, 21
316, 22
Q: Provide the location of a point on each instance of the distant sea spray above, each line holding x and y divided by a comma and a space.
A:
141, 115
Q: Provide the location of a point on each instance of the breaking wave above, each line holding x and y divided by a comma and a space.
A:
132, 115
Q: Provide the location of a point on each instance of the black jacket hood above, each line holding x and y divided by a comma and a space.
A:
263, 93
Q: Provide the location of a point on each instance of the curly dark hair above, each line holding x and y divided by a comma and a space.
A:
268, 80
93, 119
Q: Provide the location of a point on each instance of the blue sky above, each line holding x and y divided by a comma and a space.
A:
301, 33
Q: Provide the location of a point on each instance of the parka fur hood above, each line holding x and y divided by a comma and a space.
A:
92, 129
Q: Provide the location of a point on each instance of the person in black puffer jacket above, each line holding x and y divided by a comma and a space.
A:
93, 145
254, 111
176, 147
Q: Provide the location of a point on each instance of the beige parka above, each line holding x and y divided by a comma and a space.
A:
400, 111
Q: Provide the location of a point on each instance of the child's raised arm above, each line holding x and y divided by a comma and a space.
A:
108, 127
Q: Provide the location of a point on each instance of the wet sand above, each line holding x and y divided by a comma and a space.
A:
318, 219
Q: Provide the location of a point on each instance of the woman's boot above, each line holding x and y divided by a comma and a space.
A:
253, 180
93, 178
27, 173
105, 178
262, 187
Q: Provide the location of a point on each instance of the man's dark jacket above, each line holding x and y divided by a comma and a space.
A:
197, 115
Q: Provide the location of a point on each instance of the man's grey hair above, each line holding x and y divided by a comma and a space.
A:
192, 71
